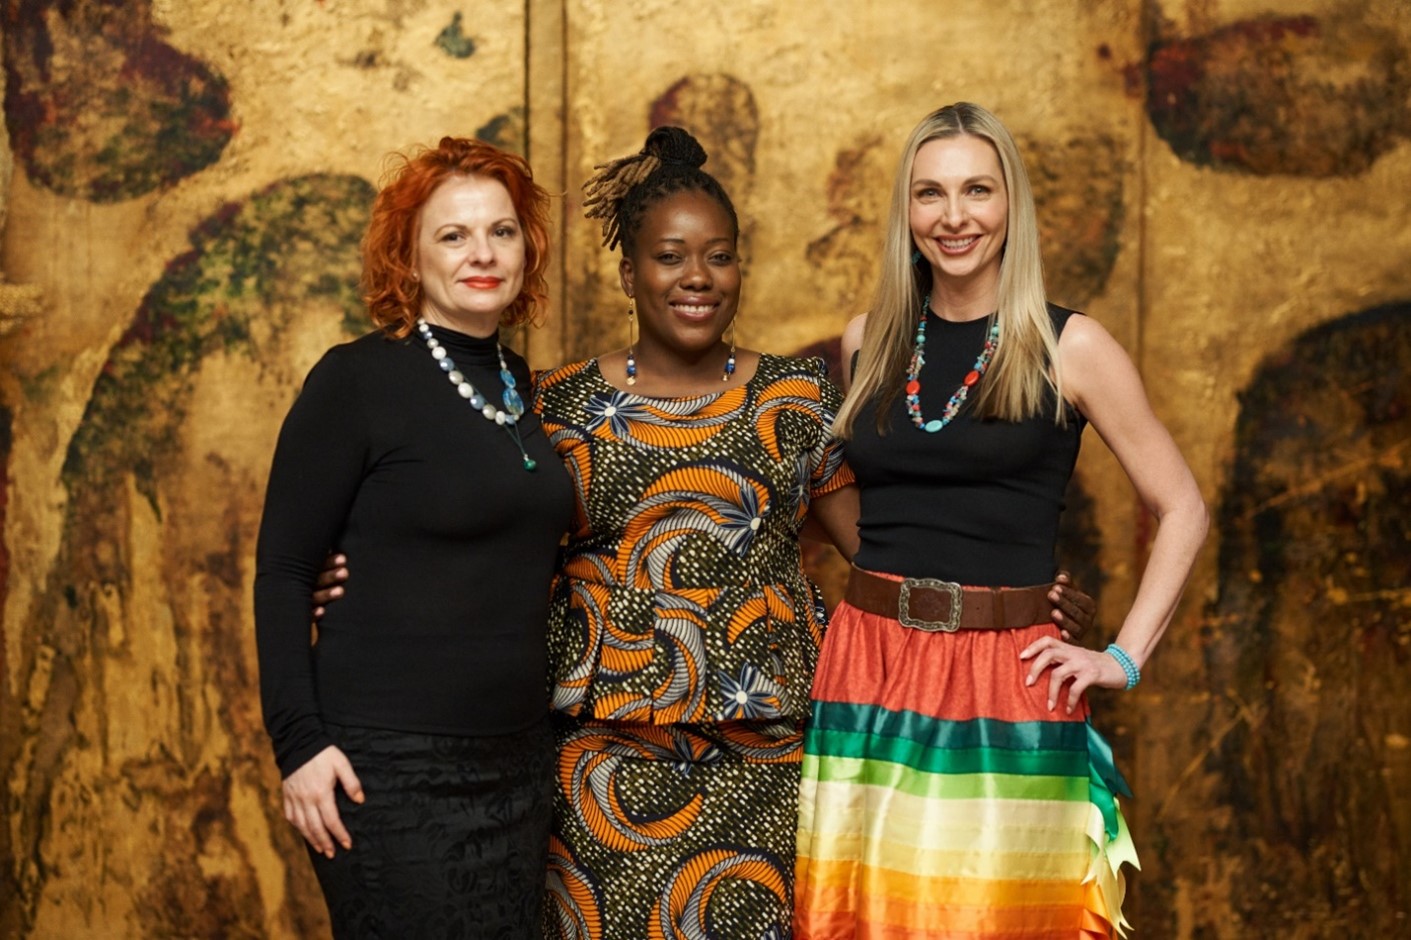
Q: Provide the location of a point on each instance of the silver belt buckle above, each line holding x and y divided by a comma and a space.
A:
949, 625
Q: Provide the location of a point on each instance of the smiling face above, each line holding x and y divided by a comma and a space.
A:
959, 210
685, 277
470, 254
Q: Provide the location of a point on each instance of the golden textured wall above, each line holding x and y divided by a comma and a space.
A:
1223, 184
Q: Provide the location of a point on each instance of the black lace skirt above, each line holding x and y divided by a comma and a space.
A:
451, 841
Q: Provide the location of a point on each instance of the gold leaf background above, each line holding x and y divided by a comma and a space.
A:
159, 307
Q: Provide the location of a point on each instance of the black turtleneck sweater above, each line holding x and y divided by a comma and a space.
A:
451, 547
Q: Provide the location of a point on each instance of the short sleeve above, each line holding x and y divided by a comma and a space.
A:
830, 467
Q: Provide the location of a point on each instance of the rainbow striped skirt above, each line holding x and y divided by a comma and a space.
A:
941, 797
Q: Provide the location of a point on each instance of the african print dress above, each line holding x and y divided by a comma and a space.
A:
683, 639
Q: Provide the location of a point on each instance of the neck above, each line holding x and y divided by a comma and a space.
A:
964, 300
706, 360
672, 374
481, 327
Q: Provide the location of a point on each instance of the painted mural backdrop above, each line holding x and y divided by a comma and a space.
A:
191, 184
182, 188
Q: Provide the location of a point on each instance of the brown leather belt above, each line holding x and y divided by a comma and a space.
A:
945, 607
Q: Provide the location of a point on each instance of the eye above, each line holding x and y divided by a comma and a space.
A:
506, 231
925, 194
668, 257
979, 189
722, 257
453, 236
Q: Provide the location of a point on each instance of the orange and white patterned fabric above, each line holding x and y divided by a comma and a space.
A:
681, 595
682, 641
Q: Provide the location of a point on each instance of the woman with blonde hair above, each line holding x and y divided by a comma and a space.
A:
952, 783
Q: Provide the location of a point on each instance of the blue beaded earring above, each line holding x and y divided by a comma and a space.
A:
631, 341
916, 256
730, 362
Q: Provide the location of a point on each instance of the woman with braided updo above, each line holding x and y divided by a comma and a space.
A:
683, 630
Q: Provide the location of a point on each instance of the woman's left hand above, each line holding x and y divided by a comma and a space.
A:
1070, 665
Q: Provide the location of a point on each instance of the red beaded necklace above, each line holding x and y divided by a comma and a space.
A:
972, 378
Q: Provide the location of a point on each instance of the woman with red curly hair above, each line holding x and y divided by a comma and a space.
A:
413, 736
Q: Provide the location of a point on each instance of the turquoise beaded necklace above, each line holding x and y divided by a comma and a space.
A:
508, 417
957, 399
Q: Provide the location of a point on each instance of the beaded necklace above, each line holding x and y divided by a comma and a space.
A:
972, 378
508, 418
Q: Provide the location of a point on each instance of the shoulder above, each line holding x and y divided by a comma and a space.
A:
368, 348
852, 335
1095, 366
811, 368
1060, 317
851, 346
1079, 335
562, 373
800, 378
344, 361
561, 379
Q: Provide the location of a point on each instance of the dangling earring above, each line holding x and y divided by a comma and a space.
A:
730, 363
631, 341
916, 256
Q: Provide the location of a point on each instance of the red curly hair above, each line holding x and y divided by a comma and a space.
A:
389, 285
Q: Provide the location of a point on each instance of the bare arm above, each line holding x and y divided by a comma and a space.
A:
851, 343
833, 518
1102, 382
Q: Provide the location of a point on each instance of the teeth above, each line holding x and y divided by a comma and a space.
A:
956, 244
694, 308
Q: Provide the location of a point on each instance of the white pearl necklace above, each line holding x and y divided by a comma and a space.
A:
508, 417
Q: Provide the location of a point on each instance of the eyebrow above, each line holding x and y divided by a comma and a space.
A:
969, 179
507, 220
677, 240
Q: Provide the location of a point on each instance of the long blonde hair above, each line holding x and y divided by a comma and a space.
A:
1025, 365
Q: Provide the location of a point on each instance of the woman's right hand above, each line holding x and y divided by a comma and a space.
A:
309, 803
329, 586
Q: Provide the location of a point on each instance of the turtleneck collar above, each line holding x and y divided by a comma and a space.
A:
465, 348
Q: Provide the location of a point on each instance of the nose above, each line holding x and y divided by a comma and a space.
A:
480, 251
953, 213
696, 273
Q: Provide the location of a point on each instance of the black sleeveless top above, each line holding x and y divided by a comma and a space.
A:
977, 502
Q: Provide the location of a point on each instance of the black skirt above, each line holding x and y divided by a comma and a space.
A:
452, 838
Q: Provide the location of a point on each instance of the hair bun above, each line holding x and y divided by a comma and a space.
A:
675, 146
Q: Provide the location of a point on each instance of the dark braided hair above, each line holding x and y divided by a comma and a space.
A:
622, 191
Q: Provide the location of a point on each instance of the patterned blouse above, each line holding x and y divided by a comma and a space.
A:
681, 595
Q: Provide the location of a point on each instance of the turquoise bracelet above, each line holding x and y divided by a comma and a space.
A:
1134, 675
